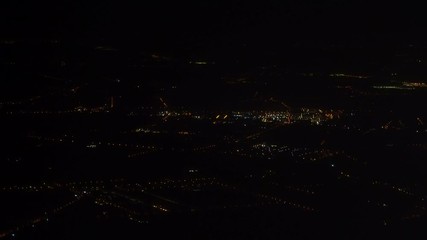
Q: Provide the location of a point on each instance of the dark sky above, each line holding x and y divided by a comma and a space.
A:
175, 23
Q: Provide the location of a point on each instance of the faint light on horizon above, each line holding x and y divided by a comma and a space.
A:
200, 62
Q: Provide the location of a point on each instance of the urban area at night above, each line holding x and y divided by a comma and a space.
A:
213, 120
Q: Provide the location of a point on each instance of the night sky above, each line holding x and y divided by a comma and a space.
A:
261, 24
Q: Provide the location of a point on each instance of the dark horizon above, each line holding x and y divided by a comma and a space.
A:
267, 24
